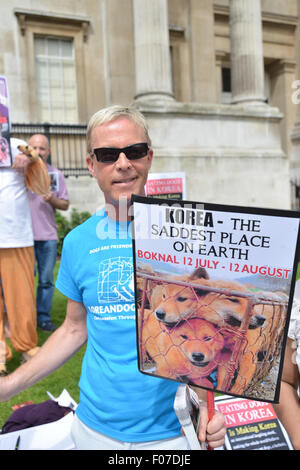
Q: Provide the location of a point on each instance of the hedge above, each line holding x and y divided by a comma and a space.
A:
64, 225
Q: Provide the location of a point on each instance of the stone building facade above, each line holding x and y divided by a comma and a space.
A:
217, 81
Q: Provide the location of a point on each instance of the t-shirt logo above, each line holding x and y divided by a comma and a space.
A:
115, 280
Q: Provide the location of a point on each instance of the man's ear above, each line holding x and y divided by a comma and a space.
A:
90, 164
150, 157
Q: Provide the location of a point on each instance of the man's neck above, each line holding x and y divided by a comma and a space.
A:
119, 212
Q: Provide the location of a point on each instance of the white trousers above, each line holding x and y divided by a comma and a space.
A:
86, 438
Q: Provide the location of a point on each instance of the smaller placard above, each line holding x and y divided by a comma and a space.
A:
5, 150
166, 185
252, 425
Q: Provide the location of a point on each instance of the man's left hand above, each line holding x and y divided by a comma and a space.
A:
213, 432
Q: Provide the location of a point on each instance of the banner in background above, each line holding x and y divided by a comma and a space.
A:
166, 185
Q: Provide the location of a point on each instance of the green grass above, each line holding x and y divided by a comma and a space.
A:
66, 377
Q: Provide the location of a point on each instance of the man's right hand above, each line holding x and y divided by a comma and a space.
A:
21, 163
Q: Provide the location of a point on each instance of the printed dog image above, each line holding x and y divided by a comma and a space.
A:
236, 315
248, 327
172, 302
193, 351
271, 334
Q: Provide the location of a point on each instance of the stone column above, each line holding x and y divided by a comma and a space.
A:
152, 53
202, 47
247, 67
282, 73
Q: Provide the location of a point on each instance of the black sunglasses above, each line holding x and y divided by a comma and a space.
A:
111, 155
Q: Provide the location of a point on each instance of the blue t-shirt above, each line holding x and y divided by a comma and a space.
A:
116, 399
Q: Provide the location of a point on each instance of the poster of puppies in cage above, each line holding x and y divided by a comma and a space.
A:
214, 287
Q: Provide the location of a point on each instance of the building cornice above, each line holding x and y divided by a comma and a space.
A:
267, 17
24, 16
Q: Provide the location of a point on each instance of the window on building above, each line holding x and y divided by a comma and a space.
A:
55, 73
226, 85
226, 81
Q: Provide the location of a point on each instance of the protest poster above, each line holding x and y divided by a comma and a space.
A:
252, 425
214, 287
166, 185
5, 151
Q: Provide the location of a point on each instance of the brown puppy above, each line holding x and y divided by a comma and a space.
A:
219, 305
192, 350
173, 302
250, 336
225, 305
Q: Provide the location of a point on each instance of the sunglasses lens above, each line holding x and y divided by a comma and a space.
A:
106, 155
134, 152
111, 155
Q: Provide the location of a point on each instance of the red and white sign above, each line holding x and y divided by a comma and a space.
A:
169, 185
252, 425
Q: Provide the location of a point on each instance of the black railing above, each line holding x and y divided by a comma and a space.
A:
67, 142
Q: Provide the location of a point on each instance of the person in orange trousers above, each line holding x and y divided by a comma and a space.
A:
16, 261
16, 268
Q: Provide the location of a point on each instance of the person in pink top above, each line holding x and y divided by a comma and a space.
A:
45, 231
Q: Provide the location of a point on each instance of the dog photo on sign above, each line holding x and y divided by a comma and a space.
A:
222, 325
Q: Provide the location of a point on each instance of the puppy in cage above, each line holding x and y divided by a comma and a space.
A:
249, 324
192, 351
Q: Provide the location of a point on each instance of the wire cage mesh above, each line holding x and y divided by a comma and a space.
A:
208, 335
